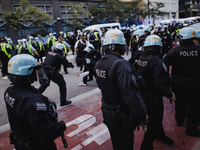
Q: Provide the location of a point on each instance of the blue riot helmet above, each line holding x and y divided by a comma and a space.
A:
89, 48
59, 48
187, 33
197, 34
147, 29
114, 41
153, 44
159, 26
21, 69
140, 33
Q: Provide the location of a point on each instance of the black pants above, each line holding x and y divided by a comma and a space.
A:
155, 116
59, 80
89, 68
4, 69
187, 105
121, 140
48, 146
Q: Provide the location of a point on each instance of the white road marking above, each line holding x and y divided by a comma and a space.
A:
78, 147
100, 134
83, 123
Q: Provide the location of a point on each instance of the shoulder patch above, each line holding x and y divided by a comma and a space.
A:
41, 106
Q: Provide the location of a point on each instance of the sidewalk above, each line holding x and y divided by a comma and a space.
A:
87, 132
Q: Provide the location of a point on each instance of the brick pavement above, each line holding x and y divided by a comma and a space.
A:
87, 132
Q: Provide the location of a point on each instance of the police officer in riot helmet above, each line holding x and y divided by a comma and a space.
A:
166, 40
122, 106
32, 125
155, 74
51, 67
140, 35
185, 62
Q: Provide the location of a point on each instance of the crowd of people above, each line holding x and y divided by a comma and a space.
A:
164, 62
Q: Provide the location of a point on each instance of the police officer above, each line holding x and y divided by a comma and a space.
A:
92, 57
120, 94
51, 67
39, 48
155, 75
81, 54
91, 37
28, 49
158, 30
32, 125
18, 45
31, 41
151, 26
67, 47
166, 40
5, 54
10, 43
185, 62
50, 42
140, 35
147, 31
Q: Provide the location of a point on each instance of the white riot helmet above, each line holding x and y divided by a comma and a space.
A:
37, 39
50, 35
19, 41
61, 32
9, 40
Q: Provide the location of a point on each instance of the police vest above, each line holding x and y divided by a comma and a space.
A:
53, 40
3, 48
65, 48
186, 61
26, 50
96, 36
81, 46
39, 44
144, 67
110, 90
92, 37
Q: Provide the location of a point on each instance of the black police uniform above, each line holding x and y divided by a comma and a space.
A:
4, 58
138, 52
166, 41
155, 74
93, 56
81, 54
30, 119
40, 52
120, 98
185, 62
92, 39
52, 65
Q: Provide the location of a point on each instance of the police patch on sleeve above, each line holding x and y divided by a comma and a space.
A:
41, 107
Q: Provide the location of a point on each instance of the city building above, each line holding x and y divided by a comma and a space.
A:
171, 10
60, 10
189, 8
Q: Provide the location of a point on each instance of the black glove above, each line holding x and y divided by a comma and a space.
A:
38, 56
62, 125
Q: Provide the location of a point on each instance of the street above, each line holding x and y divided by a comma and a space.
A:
52, 92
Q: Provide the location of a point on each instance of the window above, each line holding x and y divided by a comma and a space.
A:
68, 12
43, 8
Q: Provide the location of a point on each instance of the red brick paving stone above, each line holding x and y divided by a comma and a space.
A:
92, 106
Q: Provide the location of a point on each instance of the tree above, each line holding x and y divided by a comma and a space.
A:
25, 13
136, 8
154, 9
78, 14
110, 9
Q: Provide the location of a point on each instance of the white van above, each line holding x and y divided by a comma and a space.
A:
99, 27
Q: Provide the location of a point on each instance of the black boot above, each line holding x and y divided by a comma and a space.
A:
192, 132
165, 140
65, 103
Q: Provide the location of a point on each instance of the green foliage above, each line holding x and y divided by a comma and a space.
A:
112, 9
116, 9
41, 32
26, 13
